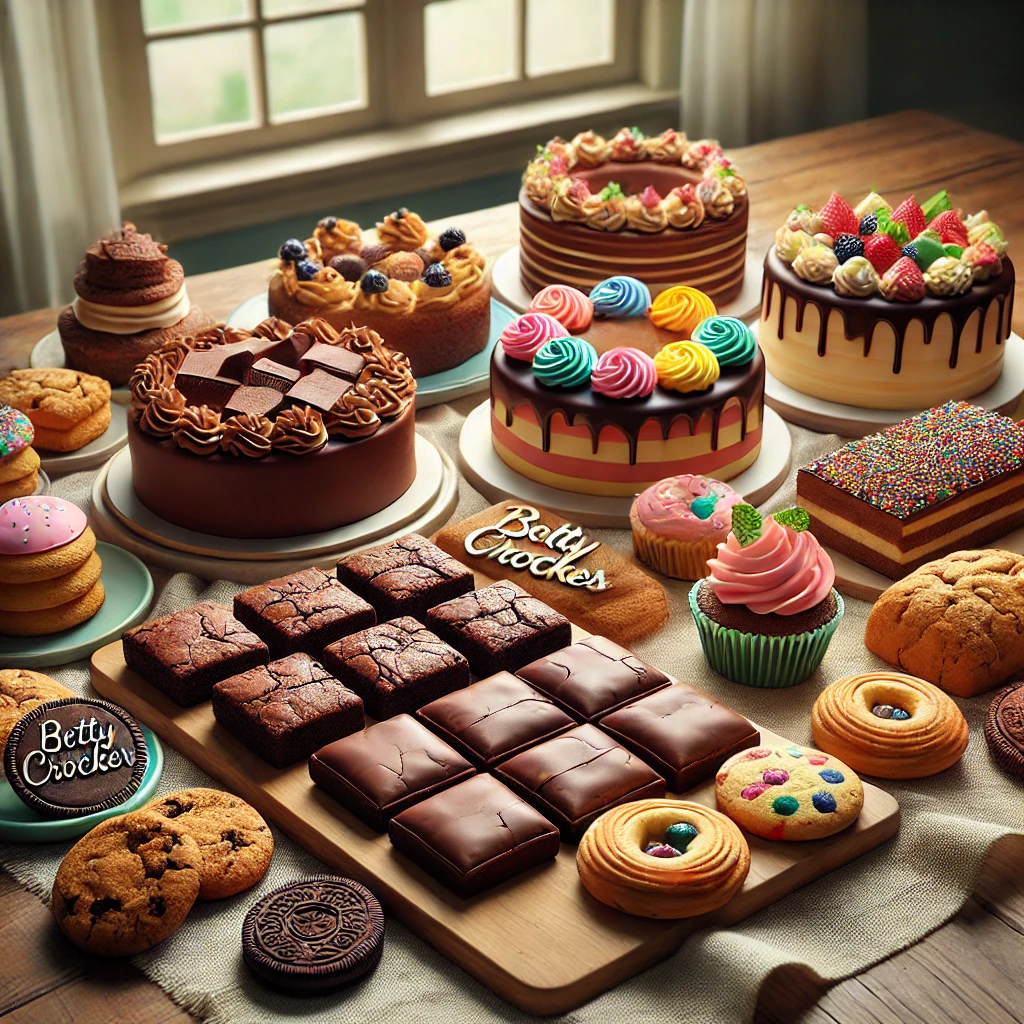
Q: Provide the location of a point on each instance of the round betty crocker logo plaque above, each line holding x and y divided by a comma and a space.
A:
75, 756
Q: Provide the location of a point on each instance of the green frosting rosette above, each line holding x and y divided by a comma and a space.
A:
731, 340
564, 362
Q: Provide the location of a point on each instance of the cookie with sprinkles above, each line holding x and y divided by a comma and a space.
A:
889, 500
789, 793
19, 463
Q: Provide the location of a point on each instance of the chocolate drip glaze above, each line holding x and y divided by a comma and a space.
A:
862, 316
513, 382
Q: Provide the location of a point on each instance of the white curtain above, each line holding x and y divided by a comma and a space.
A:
758, 69
58, 188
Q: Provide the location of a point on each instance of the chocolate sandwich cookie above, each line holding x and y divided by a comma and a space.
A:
313, 937
1004, 729
75, 756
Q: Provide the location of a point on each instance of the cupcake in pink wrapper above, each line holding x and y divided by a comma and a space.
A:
679, 522
767, 610
526, 335
624, 373
569, 306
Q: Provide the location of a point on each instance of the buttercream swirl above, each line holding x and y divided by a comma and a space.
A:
564, 362
803, 218
402, 230
337, 237
246, 436
538, 184
665, 507
353, 415
990, 233
524, 336
947, 276
162, 411
983, 260
199, 430
591, 149
386, 399
686, 366
607, 214
298, 431
336, 292
619, 297
627, 145
624, 373
462, 255
701, 153
856, 278
666, 148
815, 264
683, 207
647, 217
276, 329
783, 572
569, 200
718, 201
96, 316
398, 300
569, 306
731, 340
680, 308
726, 173
561, 152
790, 241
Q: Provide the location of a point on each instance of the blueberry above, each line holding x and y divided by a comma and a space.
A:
437, 276
292, 251
846, 246
910, 250
306, 270
451, 238
328, 223
374, 281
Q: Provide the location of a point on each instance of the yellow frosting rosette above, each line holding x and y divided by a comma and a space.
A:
686, 366
680, 309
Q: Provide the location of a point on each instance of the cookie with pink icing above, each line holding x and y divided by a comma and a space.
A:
36, 523
524, 337
569, 306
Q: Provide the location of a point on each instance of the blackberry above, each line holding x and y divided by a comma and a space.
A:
437, 276
846, 246
909, 250
292, 251
328, 223
451, 238
868, 224
306, 270
374, 281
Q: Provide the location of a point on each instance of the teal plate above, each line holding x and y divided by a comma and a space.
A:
465, 379
20, 824
129, 589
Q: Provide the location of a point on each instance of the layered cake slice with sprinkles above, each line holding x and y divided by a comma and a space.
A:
946, 479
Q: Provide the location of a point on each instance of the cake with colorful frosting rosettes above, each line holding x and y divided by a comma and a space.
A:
887, 308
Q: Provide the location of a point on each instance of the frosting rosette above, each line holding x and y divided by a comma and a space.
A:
199, 430
624, 373
687, 507
686, 366
680, 309
569, 306
621, 296
564, 362
729, 338
856, 278
523, 338
815, 264
783, 571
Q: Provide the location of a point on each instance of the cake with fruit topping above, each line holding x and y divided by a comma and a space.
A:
661, 208
427, 296
887, 308
272, 432
610, 393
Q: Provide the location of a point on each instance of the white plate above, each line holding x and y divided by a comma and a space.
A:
48, 351
465, 379
509, 288
496, 481
95, 453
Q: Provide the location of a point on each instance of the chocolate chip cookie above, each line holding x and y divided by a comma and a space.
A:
127, 885
235, 842
21, 690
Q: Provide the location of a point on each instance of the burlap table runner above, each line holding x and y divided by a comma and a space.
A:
837, 926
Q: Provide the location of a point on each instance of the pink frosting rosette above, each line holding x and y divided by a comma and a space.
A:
666, 507
783, 571
624, 373
526, 335
569, 306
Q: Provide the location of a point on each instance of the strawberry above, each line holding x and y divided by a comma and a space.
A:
909, 213
950, 228
881, 251
838, 218
903, 281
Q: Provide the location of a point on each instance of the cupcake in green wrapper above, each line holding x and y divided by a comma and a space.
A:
767, 611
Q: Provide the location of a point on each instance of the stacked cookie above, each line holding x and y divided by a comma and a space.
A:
49, 569
19, 463
21, 690
68, 409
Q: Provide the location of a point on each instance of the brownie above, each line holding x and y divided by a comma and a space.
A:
577, 776
494, 719
474, 835
183, 654
593, 677
397, 666
405, 577
303, 611
682, 733
500, 627
288, 709
387, 767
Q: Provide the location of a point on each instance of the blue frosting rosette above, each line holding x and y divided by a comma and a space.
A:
620, 297
564, 362
731, 340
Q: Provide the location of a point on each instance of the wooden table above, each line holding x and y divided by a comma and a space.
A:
969, 972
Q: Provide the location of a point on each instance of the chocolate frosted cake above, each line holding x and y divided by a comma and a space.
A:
130, 300
225, 441
887, 308
662, 208
428, 296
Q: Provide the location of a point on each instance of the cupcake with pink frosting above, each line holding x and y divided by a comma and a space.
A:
679, 522
767, 610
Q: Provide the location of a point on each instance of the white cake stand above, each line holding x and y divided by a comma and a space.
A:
483, 468
118, 516
508, 287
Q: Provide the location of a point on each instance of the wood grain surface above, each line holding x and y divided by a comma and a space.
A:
968, 972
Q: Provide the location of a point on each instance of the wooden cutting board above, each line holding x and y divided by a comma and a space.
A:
537, 940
